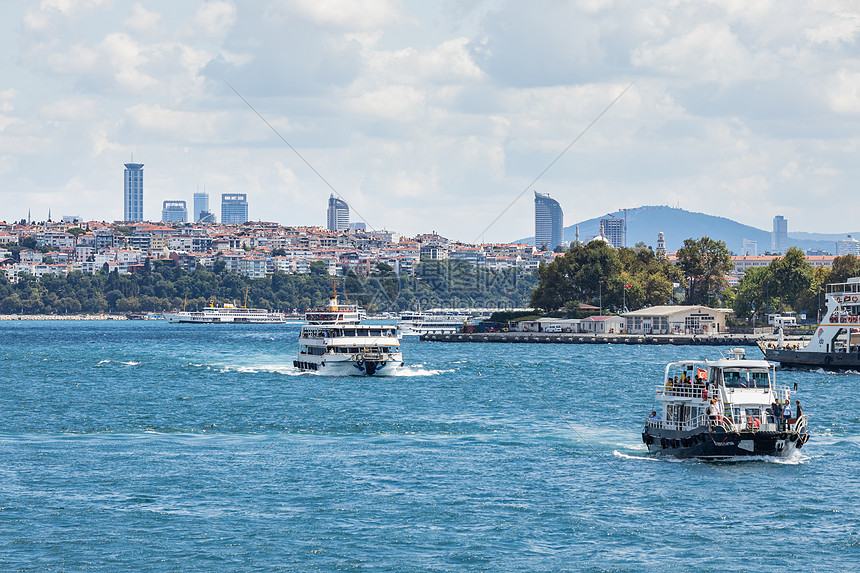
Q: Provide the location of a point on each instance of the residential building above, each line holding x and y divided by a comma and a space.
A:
337, 215
133, 192
234, 208
174, 212
779, 236
549, 222
750, 248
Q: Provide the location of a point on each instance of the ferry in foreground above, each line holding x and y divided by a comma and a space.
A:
337, 342
722, 409
835, 345
228, 313
414, 324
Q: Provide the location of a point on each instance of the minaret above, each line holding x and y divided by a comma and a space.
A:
577, 234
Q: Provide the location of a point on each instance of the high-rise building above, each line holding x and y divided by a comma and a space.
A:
549, 222
661, 245
779, 236
201, 205
750, 248
133, 192
614, 231
234, 208
337, 216
849, 246
174, 212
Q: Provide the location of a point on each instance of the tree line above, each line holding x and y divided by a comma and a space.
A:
161, 286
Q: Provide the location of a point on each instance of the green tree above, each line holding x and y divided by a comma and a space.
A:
792, 275
705, 264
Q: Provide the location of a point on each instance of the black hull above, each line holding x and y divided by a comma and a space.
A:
824, 360
717, 444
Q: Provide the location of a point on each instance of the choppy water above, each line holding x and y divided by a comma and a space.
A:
155, 447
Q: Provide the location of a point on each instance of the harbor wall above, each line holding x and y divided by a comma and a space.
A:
566, 338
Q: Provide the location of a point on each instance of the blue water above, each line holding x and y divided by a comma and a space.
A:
155, 447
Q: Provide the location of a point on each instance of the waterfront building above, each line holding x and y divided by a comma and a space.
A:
614, 230
549, 222
750, 248
779, 236
675, 320
337, 215
201, 206
234, 208
849, 246
133, 192
174, 212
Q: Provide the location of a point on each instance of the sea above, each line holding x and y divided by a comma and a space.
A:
147, 446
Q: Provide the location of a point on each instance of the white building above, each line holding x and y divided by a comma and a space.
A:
676, 320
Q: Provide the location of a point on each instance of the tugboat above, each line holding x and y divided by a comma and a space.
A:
836, 342
722, 409
336, 342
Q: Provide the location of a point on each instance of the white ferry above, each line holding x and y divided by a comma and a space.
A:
336, 342
414, 324
836, 342
723, 409
228, 313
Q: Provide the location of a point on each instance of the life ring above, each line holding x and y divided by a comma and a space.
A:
754, 423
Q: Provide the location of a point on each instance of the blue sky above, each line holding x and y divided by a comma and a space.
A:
434, 116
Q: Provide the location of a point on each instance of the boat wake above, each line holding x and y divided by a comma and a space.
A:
102, 363
417, 370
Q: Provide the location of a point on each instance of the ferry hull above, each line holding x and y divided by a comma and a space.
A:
350, 367
715, 445
804, 359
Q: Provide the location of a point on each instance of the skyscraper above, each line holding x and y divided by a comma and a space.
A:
174, 212
234, 208
614, 230
133, 192
337, 216
779, 236
549, 222
201, 205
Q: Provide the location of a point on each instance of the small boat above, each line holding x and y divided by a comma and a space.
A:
836, 342
722, 409
337, 341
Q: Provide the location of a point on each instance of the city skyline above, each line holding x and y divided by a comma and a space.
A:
431, 115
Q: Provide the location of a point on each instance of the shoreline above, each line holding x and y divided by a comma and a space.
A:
63, 317
567, 338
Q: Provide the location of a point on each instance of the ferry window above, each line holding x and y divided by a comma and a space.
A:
754, 413
374, 333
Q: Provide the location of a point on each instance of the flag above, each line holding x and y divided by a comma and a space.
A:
628, 285
701, 374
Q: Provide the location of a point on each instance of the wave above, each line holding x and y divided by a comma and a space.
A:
418, 370
124, 363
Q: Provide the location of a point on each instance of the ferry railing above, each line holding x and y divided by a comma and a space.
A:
682, 390
730, 425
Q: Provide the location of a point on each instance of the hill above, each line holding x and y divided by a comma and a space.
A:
643, 224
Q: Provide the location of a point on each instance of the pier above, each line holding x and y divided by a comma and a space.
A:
569, 338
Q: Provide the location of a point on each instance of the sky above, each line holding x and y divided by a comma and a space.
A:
434, 116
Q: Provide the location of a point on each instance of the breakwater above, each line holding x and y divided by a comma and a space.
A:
62, 317
567, 338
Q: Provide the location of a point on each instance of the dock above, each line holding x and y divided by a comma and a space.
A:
567, 338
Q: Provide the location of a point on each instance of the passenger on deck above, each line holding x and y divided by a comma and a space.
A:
786, 414
799, 409
655, 418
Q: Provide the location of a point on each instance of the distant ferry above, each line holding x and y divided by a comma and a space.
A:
836, 342
414, 324
336, 342
228, 313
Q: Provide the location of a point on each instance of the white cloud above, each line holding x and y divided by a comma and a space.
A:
142, 20
347, 14
215, 18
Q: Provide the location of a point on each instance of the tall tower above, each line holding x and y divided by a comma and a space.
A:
779, 236
234, 208
201, 205
549, 222
661, 245
337, 216
133, 192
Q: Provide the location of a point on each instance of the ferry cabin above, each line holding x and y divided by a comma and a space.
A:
745, 393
